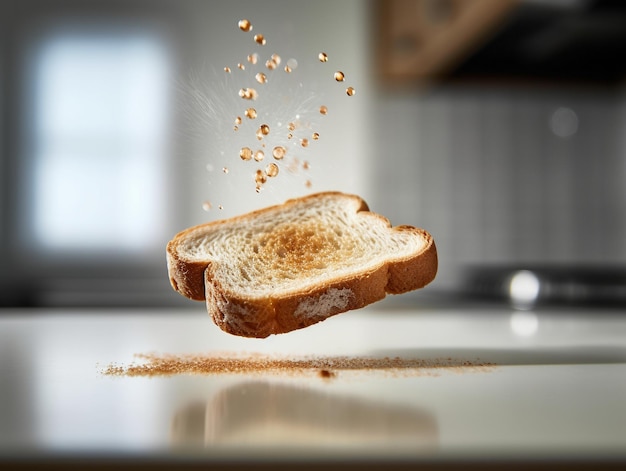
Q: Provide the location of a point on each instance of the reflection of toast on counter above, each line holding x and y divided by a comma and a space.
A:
279, 415
292, 265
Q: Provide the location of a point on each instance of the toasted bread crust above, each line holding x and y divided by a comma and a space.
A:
243, 315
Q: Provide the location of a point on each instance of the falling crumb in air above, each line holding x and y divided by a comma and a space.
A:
260, 177
279, 152
248, 93
271, 170
245, 25
245, 153
265, 141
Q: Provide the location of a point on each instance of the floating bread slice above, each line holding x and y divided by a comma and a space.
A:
289, 266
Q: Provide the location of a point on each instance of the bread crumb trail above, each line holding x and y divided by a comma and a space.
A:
153, 364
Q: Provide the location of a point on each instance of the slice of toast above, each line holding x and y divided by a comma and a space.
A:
289, 266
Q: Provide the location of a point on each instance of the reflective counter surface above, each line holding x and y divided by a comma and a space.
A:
548, 385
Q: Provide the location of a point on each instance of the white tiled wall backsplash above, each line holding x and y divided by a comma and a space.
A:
506, 176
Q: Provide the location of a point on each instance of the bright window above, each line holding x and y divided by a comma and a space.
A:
99, 143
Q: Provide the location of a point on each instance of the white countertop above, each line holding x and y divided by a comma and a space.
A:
558, 388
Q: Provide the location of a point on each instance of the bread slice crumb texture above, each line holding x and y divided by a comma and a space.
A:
325, 238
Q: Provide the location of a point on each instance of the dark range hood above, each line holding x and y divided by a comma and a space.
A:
564, 41
507, 40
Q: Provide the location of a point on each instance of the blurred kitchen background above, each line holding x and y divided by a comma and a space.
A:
497, 125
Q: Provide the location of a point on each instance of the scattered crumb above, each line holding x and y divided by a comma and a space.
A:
152, 364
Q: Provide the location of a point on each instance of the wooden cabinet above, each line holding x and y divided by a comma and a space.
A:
423, 39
